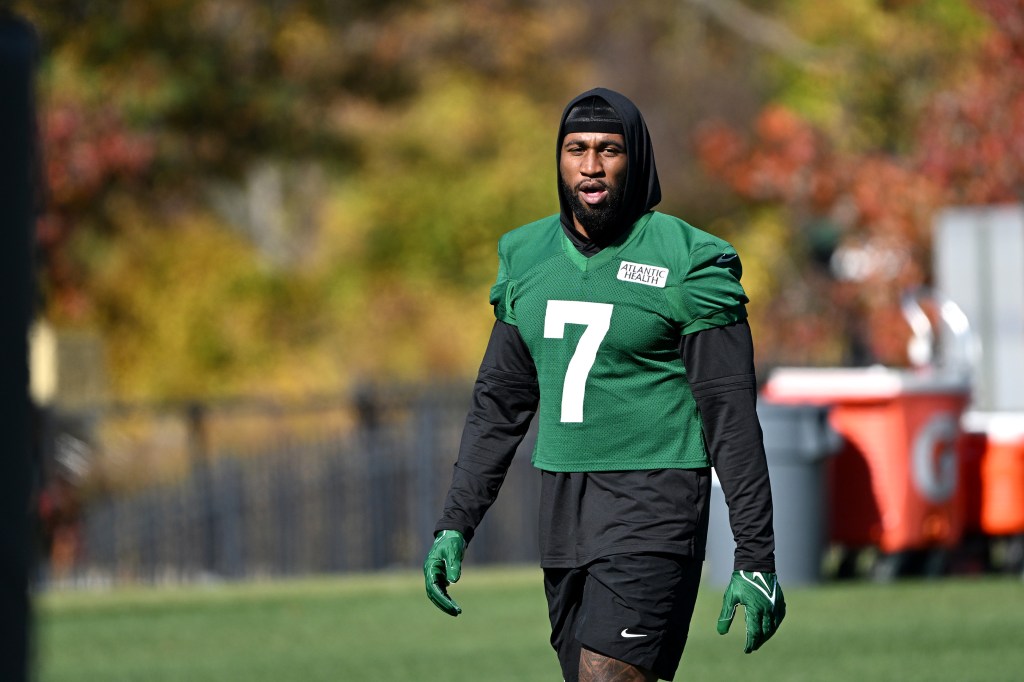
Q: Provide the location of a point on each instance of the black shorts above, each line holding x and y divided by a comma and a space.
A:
632, 607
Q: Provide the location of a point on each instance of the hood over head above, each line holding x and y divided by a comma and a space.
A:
642, 190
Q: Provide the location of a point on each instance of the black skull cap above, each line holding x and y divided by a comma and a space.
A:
593, 115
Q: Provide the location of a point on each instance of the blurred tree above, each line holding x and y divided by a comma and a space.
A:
249, 195
855, 167
168, 126
971, 141
148, 102
412, 246
876, 64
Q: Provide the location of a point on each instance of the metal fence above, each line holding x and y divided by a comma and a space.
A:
363, 495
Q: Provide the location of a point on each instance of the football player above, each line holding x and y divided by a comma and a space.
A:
623, 331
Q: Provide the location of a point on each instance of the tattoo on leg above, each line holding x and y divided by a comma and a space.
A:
595, 667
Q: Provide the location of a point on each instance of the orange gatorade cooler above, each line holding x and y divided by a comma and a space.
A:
894, 483
1001, 471
970, 451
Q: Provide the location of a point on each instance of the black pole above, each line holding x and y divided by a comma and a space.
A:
17, 129
199, 445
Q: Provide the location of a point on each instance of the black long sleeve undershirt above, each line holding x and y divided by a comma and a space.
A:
505, 399
720, 368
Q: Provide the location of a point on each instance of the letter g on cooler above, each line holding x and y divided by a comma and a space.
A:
934, 460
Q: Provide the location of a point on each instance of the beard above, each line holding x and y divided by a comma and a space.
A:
602, 222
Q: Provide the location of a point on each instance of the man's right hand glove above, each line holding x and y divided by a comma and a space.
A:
443, 567
763, 605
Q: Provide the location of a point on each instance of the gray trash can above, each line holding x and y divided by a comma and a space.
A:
797, 440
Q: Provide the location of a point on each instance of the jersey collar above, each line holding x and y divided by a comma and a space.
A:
608, 253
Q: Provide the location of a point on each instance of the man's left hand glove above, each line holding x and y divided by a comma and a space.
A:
763, 604
443, 567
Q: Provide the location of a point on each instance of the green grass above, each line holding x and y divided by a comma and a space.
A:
383, 628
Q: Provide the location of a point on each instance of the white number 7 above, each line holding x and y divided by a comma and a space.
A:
596, 317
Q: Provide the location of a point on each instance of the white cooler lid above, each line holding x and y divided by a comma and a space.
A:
998, 426
844, 383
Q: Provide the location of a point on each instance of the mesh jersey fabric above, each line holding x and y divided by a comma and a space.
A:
604, 335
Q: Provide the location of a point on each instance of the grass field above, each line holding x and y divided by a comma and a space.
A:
383, 628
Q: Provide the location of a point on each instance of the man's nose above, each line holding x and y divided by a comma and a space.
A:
591, 164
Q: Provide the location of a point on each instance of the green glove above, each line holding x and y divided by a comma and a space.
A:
763, 604
443, 567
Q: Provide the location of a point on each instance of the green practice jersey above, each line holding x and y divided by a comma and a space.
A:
604, 334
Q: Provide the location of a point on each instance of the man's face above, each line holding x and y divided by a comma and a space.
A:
592, 169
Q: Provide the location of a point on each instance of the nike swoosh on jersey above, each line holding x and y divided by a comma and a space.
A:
726, 257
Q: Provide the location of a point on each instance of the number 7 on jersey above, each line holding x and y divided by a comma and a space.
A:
597, 318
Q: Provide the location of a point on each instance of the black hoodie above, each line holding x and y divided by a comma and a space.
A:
642, 191
623, 509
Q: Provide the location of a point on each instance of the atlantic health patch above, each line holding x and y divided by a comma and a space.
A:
651, 275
